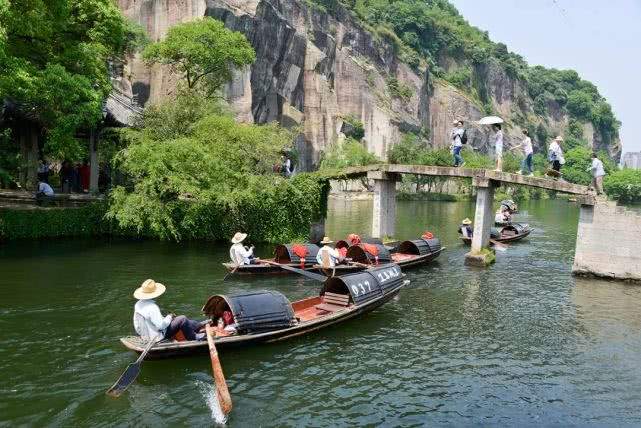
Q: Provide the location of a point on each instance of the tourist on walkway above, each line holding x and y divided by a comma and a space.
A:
555, 154
44, 189
456, 136
239, 254
598, 172
66, 177
465, 228
327, 256
149, 322
287, 166
498, 146
526, 145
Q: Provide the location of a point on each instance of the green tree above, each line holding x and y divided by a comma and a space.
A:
203, 52
53, 63
348, 153
624, 185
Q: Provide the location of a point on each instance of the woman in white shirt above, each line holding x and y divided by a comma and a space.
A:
555, 154
498, 146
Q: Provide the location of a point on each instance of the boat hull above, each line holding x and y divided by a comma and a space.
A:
186, 348
504, 239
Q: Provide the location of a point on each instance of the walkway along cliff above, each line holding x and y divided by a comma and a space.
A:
314, 69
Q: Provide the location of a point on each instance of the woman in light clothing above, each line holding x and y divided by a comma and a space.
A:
498, 146
555, 154
457, 143
598, 172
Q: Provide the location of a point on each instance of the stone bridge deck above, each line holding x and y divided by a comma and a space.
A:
377, 172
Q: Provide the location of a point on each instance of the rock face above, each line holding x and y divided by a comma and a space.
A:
314, 69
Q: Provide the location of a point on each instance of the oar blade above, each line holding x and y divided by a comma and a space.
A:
222, 392
126, 379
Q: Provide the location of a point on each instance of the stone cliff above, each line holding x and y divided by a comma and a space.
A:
314, 69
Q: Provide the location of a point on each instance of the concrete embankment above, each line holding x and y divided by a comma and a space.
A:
608, 242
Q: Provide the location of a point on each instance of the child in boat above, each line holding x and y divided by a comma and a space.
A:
239, 254
466, 228
149, 322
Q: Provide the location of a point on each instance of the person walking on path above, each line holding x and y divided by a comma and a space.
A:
555, 154
498, 146
456, 146
598, 172
149, 322
526, 145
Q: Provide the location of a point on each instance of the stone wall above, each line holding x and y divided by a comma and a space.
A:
608, 242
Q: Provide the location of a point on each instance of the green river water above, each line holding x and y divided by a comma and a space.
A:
522, 343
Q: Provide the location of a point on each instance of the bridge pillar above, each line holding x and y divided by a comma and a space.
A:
480, 254
384, 212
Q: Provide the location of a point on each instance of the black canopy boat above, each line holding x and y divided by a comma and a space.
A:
510, 233
268, 316
302, 256
406, 254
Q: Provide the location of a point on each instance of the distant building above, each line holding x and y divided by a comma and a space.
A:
631, 160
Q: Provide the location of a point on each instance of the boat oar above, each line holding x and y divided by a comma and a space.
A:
310, 275
499, 245
128, 377
219, 378
231, 272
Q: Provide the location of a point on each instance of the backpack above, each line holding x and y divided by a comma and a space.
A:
464, 137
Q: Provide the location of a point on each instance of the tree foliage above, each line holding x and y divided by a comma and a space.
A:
203, 52
348, 153
624, 185
210, 177
53, 62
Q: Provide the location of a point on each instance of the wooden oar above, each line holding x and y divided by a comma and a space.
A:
219, 378
128, 377
310, 275
499, 245
231, 272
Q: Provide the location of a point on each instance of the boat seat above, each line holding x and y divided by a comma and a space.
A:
333, 302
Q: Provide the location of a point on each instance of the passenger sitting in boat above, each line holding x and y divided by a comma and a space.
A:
149, 322
503, 216
466, 228
238, 253
327, 256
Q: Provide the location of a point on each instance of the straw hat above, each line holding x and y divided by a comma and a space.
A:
149, 289
466, 221
455, 122
559, 139
326, 240
238, 238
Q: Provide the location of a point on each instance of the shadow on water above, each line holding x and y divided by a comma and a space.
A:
520, 343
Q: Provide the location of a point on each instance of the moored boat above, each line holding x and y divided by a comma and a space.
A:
510, 233
406, 254
268, 316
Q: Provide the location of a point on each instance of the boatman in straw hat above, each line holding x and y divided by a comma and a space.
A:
149, 322
465, 228
239, 254
327, 256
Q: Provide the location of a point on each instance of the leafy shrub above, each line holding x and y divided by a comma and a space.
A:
349, 153
209, 176
624, 185
355, 128
577, 163
399, 89
461, 78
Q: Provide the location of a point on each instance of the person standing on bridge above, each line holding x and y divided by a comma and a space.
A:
457, 135
555, 154
598, 172
526, 145
498, 146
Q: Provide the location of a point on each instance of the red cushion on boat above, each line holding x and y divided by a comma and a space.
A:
427, 235
179, 336
300, 250
228, 317
371, 248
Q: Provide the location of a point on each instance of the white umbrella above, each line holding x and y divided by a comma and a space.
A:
490, 120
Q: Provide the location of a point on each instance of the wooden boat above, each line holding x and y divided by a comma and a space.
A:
302, 256
268, 316
511, 233
406, 254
